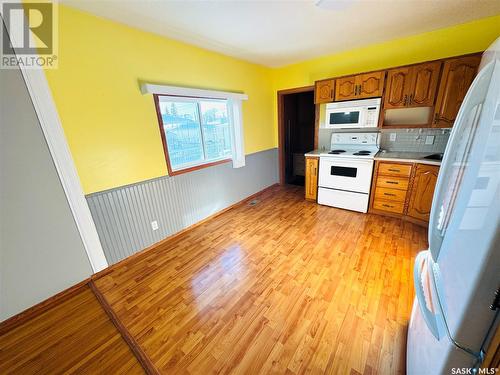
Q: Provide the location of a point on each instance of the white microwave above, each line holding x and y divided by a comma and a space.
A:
362, 113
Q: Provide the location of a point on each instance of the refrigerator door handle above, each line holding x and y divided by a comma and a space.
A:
428, 315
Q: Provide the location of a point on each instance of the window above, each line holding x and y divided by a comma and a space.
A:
199, 127
196, 131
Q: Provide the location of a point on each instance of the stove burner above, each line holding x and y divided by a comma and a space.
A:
336, 152
362, 153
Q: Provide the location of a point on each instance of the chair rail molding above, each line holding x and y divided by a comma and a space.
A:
45, 108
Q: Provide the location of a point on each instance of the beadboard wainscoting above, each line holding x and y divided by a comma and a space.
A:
123, 215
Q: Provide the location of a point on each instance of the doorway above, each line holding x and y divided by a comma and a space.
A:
296, 124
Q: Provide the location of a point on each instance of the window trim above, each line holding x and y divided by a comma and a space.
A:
171, 171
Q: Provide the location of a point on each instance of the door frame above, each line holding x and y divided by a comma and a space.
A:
281, 125
50, 123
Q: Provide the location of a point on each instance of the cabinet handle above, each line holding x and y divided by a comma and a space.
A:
390, 194
436, 118
387, 205
394, 170
411, 99
392, 182
405, 100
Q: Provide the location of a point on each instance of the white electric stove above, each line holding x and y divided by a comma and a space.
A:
345, 172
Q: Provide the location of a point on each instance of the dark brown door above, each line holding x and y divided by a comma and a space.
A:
458, 75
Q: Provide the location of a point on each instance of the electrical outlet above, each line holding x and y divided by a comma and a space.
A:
429, 140
392, 137
154, 225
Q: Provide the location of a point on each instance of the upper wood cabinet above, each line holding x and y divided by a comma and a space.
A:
425, 82
367, 85
398, 86
412, 86
458, 75
346, 88
422, 191
370, 85
323, 91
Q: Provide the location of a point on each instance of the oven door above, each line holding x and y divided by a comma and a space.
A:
346, 174
345, 118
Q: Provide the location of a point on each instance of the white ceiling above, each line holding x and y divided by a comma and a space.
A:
276, 33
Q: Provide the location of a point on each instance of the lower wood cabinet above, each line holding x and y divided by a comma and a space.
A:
403, 190
312, 167
424, 182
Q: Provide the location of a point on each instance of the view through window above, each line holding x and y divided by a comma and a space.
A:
196, 130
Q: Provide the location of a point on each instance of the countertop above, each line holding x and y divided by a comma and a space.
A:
406, 157
314, 153
397, 156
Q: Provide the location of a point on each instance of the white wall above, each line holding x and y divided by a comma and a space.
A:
41, 252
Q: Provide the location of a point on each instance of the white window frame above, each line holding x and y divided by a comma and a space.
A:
234, 106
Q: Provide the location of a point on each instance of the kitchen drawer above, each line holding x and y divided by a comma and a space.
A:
392, 182
391, 169
390, 194
390, 206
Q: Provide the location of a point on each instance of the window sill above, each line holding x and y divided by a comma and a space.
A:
196, 167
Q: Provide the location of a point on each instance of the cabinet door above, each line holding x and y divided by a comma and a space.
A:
424, 84
312, 178
323, 91
398, 87
458, 75
346, 88
422, 191
370, 85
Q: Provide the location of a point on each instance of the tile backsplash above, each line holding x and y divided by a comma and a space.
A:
411, 140
414, 140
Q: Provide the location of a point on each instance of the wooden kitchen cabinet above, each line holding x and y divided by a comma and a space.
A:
390, 186
361, 86
412, 86
370, 85
457, 77
424, 84
324, 91
312, 167
398, 85
403, 190
346, 88
422, 191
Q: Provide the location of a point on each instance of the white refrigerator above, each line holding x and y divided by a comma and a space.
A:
454, 313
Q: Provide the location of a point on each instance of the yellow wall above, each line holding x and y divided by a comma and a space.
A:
452, 41
111, 128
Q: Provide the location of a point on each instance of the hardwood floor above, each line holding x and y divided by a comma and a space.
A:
74, 336
285, 286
